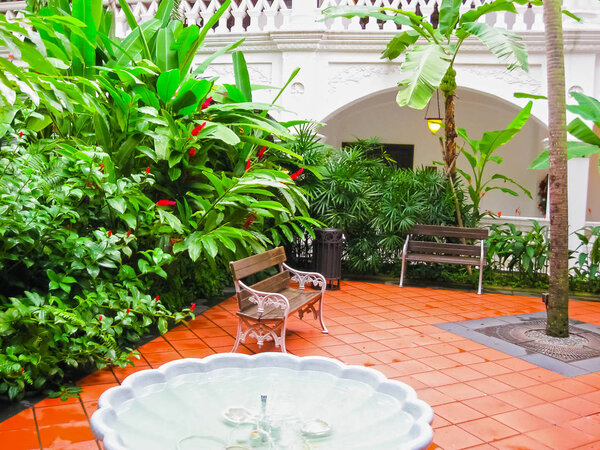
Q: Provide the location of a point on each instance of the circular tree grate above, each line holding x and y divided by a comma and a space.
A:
531, 335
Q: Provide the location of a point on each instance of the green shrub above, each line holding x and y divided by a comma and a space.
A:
585, 275
375, 204
128, 181
522, 253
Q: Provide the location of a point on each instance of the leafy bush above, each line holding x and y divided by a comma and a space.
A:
375, 204
128, 183
520, 252
585, 275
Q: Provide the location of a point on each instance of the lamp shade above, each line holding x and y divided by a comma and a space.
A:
434, 125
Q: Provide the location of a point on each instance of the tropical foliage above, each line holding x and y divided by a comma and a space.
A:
588, 143
430, 52
522, 253
481, 153
128, 182
375, 204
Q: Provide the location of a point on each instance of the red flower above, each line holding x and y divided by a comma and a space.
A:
206, 103
518, 211
248, 165
192, 307
165, 203
102, 167
499, 213
296, 174
20, 134
192, 152
157, 298
22, 370
590, 210
100, 318
127, 312
469, 181
482, 194
540, 207
129, 232
249, 221
261, 153
198, 129
109, 233
148, 169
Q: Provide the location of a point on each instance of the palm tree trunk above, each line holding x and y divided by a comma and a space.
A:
558, 302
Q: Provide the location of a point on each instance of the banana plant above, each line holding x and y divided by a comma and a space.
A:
430, 52
587, 108
482, 152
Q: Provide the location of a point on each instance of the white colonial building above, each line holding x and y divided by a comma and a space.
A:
344, 84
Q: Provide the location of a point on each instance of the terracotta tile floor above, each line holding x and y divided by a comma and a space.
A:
482, 398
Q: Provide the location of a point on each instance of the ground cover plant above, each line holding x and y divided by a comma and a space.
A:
128, 182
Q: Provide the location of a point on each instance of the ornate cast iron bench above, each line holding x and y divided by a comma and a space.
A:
444, 252
265, 306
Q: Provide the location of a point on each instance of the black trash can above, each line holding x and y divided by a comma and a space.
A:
327, 255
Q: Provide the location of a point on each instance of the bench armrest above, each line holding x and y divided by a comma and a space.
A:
263, 299
306, 277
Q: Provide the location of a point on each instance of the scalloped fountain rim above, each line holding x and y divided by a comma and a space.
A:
420, 411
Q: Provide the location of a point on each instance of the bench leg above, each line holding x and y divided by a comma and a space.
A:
480, 279
238, 337
402, 271
324, 328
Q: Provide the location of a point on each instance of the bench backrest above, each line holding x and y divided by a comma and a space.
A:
445, 248
447, 231
257, 263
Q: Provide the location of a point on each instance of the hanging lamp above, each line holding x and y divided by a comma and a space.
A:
434, 123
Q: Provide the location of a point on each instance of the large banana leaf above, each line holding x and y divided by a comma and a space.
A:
399, 44
574, 150
506, 45
364, 11
486, 8
492, 140
588, 107
582, 132
449, 12
424, 67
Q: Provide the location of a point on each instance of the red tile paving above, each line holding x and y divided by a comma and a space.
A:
482, 398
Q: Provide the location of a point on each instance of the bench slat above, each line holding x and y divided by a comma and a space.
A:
444, 231
256, 263
444, 248
445, 259
296, 298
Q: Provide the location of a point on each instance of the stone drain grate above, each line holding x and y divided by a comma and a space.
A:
582, 344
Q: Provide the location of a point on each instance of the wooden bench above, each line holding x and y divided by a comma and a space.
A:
445, 252
265, 306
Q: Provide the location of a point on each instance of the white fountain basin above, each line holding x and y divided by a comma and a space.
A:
204, 404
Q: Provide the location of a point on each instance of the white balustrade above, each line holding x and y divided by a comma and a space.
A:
257, 16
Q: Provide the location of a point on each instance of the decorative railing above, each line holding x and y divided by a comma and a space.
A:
257, 16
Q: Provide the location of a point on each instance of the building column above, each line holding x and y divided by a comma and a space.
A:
304, 15
578, 175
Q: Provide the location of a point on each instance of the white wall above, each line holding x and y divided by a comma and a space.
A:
379, 115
